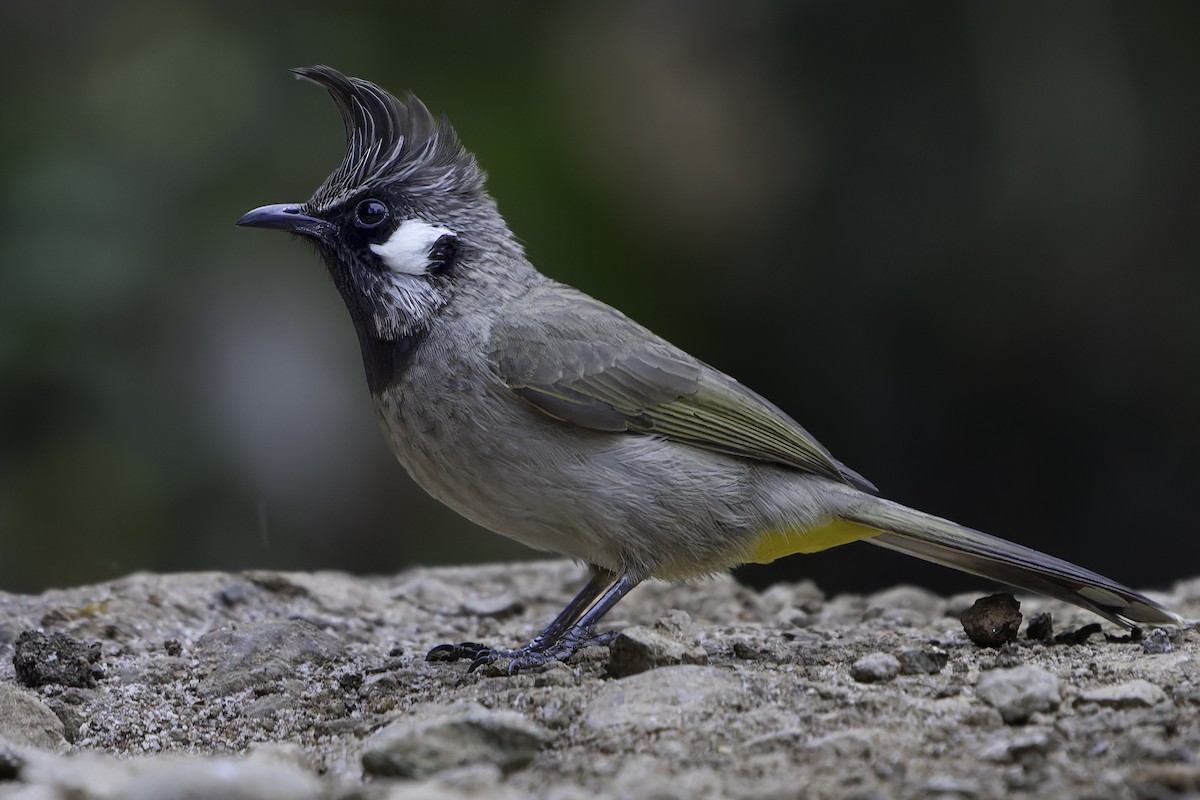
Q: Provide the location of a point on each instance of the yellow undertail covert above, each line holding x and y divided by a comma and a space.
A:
777, 544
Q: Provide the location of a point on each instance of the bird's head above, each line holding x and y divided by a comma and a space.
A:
403, 220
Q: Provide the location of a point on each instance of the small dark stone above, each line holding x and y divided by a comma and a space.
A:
41, 659
922, 662
173, 647
992, 620
1079, 636
1040, 627
746, 652
351, 682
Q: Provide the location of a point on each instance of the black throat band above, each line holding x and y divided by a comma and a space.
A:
386, 360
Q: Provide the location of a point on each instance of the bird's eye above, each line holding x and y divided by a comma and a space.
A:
370, 213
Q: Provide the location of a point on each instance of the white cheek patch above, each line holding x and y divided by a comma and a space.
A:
407, 249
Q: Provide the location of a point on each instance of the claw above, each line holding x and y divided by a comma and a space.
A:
454, 652
485, 658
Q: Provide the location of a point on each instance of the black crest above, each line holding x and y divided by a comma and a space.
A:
390, 142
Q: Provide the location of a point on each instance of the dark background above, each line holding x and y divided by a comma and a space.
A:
959, 242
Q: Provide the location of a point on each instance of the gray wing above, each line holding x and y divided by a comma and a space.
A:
585, 363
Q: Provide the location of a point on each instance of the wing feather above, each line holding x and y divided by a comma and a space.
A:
584, 363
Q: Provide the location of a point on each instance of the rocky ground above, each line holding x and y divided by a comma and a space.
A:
288, 685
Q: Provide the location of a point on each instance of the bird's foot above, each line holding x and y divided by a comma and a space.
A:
479, 655
454, 652
562, 650
537, 653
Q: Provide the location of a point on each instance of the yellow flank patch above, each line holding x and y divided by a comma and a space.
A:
777, 544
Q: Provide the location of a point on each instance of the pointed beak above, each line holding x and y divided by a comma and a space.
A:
287, 217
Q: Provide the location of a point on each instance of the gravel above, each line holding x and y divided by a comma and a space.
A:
296, 685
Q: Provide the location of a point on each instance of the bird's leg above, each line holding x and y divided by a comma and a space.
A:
600, 580
580, 634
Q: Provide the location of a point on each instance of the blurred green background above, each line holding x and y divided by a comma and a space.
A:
959, 242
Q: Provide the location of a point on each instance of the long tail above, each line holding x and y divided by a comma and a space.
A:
950, 544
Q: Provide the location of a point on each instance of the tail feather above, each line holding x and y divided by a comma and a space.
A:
950, 544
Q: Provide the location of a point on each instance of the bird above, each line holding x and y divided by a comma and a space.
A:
547, 416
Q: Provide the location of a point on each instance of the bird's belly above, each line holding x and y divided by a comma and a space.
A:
621, 501
473, 464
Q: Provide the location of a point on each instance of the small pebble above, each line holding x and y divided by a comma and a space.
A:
637, 649
1040, 628
922, 662
875, 668
1157, 642
992, 620
41, 659
457, 737
234, 594
1131, 694
1019, 692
